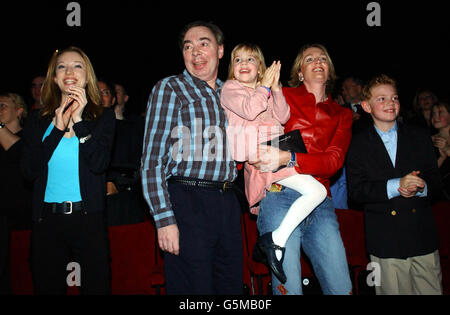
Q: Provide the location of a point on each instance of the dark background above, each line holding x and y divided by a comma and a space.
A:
136, 41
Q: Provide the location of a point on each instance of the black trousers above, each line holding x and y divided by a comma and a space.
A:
210, 258
58, 241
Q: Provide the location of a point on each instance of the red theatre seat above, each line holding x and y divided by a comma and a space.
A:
137, 265
253, 271
441, 212
351, 226
21, 281
134, 258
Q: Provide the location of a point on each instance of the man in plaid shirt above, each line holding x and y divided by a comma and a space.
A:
187, 172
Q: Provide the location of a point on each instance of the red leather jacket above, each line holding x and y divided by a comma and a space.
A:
326, 131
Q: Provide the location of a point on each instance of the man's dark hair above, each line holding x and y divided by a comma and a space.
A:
110, 86
213, 27
356, 80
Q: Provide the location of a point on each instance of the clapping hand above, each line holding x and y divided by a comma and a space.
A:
411, 184
71, 109
271, 77
63, 114
442, 144
80, 101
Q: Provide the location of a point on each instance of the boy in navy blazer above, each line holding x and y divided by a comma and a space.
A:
392, 170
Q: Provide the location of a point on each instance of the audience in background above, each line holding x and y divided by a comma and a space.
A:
121, 100
351, 92
15, 193
125, 201
36, 87
421, 112
107, 93
339, 190
440, 119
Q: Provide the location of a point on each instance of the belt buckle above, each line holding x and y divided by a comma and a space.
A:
224, 186
70, 208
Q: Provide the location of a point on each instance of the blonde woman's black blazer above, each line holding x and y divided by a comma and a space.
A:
94, 157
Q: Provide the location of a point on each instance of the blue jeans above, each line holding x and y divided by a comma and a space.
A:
320, 239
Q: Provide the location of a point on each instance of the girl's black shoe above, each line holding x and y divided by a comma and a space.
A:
266, 245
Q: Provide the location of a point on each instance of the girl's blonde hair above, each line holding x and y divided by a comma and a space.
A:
51, 94
298, 62
253, 50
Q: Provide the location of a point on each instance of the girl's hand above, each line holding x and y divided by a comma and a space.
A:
79, 95
269, 75
276, 77
62, 118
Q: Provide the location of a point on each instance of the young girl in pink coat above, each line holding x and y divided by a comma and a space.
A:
256, 111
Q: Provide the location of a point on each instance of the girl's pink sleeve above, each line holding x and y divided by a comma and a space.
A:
236, 98
281, 111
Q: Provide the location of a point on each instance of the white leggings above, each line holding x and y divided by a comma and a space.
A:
313, 193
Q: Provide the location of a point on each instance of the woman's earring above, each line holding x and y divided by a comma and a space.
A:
300, 77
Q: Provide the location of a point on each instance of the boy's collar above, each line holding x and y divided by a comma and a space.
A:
394, 128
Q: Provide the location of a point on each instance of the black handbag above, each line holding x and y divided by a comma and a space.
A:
291, 141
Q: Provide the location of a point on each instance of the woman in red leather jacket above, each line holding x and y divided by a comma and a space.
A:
326, 130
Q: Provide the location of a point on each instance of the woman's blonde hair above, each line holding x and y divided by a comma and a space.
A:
253, 50
19, 102
298, 62
51, 94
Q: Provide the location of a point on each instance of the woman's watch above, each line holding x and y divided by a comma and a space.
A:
293, 161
